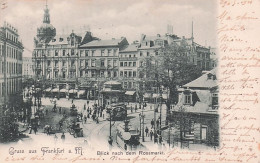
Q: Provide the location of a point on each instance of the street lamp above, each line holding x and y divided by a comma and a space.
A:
110, 140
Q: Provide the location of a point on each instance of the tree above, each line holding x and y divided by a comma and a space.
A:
176, 69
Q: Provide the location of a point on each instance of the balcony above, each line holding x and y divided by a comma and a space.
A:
128, 59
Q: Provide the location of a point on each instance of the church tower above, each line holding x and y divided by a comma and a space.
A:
46, 31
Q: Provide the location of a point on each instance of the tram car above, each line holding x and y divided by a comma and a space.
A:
127, 140
117, 111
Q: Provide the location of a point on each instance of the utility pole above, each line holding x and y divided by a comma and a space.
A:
110, 140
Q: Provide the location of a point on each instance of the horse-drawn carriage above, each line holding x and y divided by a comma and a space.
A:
75, 130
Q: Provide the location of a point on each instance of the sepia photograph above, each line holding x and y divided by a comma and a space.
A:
108, 80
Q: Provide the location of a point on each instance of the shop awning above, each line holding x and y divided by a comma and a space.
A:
72, 91
81, 92
131, 93
156, 95
147, 95
48, 90
55, 90
63, 90
165, 96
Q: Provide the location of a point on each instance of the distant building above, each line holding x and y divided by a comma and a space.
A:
197, 110
213, 57
11, 50
27, 67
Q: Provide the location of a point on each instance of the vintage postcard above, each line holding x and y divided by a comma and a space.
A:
129, 81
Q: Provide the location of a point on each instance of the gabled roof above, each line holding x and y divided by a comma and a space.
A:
204, 81
102, 43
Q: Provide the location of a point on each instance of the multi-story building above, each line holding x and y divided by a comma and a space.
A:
213, 57
99, 60
11, 50
197, 110
27, 67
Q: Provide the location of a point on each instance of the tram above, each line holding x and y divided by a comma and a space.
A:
127, 139
117, 111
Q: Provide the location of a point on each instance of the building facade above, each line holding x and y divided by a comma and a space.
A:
196, 113
11, 50
27, 67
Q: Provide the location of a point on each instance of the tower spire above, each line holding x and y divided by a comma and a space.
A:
192, 31
46, 18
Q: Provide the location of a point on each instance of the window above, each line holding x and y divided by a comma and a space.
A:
86, 63
130, 64
72, 52
81, 52
115, 74
130, 56
102, 73
109, 63
187, 99
93, 53
56, 52
148, 54
81, 63
115, 63
63, 52
125, 73
133, 84
134, 73
93, 63
81, 73
121, 73
214, 101
130, 74
102, 63
49, 63
141, 54
108, 74
93, 73
63, 75
109, 52
56, 74
130, 85
86, 73
141, 63
56, 63
156, 53
125, 64
102, 52
63, 63
125, 85
72, 63
121, 64
86, 53
134, 64
114, 52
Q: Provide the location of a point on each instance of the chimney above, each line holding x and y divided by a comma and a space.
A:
158, 35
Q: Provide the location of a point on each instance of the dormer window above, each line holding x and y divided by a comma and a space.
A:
187, 99
61, 39
214, 101
53, 40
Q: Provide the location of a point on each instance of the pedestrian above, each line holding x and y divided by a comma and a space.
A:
131, 109
151, 107
35, 130
97, 120
151, 134
157, 123
63, 137
60, 110
81, 116
85, 119
30, 128
146, 131
88, 110
152, 123
60, 124
160, 139
135, 107
55, 138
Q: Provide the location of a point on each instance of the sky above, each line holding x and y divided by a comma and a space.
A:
108, 19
